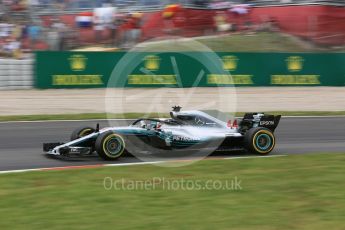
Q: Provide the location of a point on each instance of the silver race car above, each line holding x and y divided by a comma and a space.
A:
185, 131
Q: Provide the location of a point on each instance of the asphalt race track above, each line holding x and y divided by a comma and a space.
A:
21, 142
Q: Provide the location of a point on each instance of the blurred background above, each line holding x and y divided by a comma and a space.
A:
237, 25
285, 57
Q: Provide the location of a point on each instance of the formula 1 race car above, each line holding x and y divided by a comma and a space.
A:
184, 131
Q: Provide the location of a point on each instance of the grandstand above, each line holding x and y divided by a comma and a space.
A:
319, 21
46, 6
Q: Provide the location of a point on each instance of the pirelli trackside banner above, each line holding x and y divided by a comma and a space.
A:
189, 69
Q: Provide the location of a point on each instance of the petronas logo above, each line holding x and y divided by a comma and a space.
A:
294, 63
230, 62
152, 62
78, 62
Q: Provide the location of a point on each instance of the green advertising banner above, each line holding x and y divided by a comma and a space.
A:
187, 69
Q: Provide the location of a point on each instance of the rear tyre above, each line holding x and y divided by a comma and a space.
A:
81, 132
110, 146
259, 141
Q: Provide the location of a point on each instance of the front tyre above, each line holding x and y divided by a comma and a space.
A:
110, 146
259, 140
81, 132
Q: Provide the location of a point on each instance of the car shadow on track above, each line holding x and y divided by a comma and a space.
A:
95, 158
74, 159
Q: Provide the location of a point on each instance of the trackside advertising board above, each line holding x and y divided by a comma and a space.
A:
120, 69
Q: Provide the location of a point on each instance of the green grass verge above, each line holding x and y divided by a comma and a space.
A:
257, 42
294, 192
88, 116
242, 42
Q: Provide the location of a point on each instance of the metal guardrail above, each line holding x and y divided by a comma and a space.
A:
16, 74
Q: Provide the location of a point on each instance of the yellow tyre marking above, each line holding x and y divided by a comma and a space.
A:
108, 138
264, 132
83, 132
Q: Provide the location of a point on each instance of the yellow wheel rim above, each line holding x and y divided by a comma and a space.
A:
260, 133
84, 132
113, 146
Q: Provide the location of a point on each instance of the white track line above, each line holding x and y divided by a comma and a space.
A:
135, 163
124, 164
19, 171
234, 158
49, 169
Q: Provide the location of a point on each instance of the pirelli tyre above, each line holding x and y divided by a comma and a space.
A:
110, 146
81, 132
259, 140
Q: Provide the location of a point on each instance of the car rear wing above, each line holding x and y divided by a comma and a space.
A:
251, 120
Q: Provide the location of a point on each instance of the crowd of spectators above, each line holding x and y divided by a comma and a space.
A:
21, 5
11, 36
20, 36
